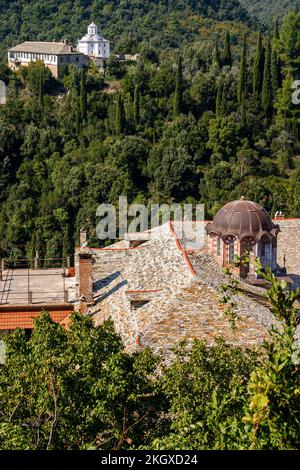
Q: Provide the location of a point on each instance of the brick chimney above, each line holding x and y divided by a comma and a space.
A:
85, 281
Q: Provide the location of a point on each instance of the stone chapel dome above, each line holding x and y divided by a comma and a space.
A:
242, 219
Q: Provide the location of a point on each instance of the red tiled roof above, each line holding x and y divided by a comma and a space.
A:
15, 318
65, 322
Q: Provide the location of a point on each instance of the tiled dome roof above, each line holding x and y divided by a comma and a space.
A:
242, 219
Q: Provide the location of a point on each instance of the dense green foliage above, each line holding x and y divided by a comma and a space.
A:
266, 10
74, 389
130, 24
79, 389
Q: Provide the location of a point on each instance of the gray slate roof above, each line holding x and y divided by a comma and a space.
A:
56, 48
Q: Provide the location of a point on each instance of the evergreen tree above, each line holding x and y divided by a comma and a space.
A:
120, 116
83, 97
223, 108
227, 56
136, 105
41, 91
258, 68
243, 112
219, 98
39, 251
275, 71
276, 30
77, 116
243, 71
217, 55
267, 95
32, 250
66, 243
286, 111
178, 99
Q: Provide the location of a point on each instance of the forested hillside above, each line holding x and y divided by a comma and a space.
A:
207, 122
266, 10
129, 23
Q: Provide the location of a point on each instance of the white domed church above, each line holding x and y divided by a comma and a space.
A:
93, 44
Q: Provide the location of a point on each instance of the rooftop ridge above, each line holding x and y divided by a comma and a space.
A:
182, 250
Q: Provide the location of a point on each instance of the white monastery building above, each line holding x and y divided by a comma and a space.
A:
93, 44
55, 55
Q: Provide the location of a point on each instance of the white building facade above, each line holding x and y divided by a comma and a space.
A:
55, 55
93, 44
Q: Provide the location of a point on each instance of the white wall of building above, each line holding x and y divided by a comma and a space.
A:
93, 44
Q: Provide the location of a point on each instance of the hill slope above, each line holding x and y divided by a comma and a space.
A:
129, 23
266, 10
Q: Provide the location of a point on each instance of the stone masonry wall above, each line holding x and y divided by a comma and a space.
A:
289, 246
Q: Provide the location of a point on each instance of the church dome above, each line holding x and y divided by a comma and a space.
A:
242, 219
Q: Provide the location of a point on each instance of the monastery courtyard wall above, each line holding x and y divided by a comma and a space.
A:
289, 247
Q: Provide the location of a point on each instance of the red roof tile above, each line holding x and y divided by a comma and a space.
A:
10, 320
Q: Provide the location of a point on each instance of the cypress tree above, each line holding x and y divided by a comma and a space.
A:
136, 105
83, 97
223, 108
243, 112
243, 71
217, 55
38, 249
275, 72
41, 90
178, 98
66, 243
32, 250
258, 68
77, 116
267, 95
120, 116
276, 30
219, 98
227, 56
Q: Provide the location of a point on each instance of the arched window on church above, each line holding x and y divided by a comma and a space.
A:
218, 246
249, 246
229, 242
266, 252
247, 250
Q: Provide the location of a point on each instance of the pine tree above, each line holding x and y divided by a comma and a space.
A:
243, 72
267, 95
178, 98
136, 105
227, 56
120, 116
83, 97
258, 68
